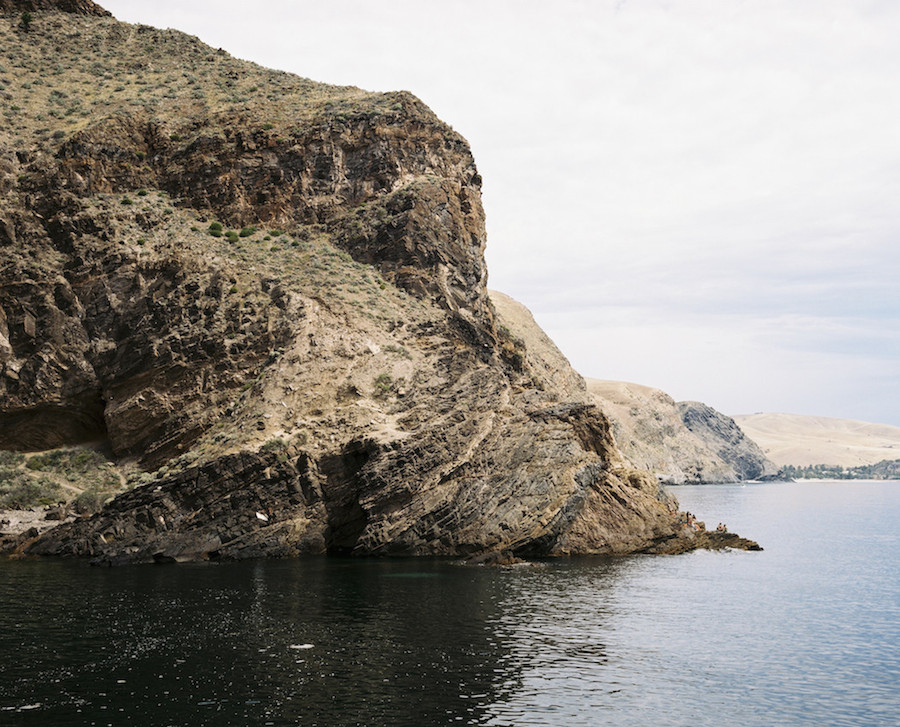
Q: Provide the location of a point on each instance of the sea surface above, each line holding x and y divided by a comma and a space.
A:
806, 632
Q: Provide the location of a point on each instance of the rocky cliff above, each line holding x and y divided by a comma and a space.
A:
677, 443
266, 296
722, 436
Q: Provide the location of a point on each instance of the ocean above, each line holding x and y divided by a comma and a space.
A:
806, 632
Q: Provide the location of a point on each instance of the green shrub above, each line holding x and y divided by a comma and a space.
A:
215, 229
67, 461
18, 491
10, 459
384, 384
277, 444
247, 231
127, 200
89, 502
20, 496
399, 350
232, 236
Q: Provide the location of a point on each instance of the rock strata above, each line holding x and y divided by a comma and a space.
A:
724, 437
268, 297
681, 443
704, 539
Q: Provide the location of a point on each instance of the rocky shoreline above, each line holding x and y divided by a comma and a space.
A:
20, 529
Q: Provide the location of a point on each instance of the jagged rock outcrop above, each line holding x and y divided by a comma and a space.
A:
328, 375
646, 423
723, 436
678, 442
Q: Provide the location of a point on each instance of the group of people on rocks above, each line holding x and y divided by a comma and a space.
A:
689, 520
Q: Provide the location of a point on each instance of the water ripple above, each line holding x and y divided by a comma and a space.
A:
804, 633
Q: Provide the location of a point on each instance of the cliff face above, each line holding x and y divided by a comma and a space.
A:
724, 437
681, 443
269, 295
678, 444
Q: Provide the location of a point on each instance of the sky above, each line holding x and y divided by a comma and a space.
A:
697, 195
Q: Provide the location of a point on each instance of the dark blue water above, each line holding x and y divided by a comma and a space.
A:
805, 633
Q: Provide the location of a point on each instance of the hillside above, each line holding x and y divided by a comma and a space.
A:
794, 439
265, 298
649, 427
680, 442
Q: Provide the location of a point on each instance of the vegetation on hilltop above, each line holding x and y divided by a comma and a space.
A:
102, 67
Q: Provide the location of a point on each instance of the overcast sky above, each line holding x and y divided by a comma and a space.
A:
697, 195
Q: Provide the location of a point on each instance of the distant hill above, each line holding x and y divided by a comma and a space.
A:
680, 442
798, 440
650, 428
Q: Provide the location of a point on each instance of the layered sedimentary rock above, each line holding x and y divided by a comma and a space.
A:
679, 442
723, 437
269, 295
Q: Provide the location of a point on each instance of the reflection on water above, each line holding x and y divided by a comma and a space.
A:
342, 642
803, 633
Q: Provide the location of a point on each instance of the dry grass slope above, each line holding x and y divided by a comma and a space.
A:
795, 439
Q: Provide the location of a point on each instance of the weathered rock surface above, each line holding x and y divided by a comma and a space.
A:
647, 424
80, 7
690, 539
331, 379
722, 435
681, 443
